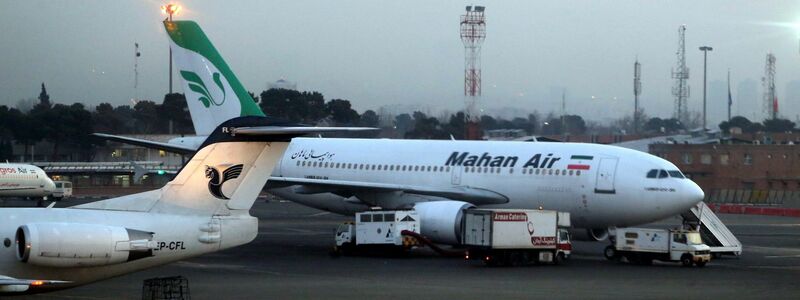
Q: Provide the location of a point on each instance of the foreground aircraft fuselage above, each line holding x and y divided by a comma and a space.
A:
599, 185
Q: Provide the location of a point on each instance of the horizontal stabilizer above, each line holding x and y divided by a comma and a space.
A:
295, 130
472, 195
174, 148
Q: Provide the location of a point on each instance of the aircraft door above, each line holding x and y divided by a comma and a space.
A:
455, 177
605, 176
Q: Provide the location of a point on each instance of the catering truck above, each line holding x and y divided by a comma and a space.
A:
379, 230
516, 236
643, 245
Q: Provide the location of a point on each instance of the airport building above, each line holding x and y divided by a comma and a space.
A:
111, 168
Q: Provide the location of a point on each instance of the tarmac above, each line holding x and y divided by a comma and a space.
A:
290, 259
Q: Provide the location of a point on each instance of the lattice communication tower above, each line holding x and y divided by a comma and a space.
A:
473, 33
680, 88
768, 81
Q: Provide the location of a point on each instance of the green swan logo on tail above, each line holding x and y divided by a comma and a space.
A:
196, 85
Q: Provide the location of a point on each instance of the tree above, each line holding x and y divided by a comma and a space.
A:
426, 128
146, 116
778, 125
457, 125
341, 112
369, 119
742, 123
176, 110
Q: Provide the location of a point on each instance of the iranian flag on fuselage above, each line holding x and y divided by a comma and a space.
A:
579, 162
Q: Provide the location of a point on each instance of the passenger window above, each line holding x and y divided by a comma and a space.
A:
377, 218
366, 218
652, 174
389, 217
662, 174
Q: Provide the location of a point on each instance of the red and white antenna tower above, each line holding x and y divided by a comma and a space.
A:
473, 32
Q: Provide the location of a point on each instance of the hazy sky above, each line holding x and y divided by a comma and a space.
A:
376, 53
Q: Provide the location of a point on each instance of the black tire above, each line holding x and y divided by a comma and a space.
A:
686, 260
558, 258
646, 261
610, 253
700, 264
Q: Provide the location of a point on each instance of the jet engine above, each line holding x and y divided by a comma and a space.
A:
589, 234
80, 245
440, 221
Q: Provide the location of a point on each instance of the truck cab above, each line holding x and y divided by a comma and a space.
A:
688, 243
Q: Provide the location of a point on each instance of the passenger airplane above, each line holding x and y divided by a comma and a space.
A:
204, 209
601, 185
21, 180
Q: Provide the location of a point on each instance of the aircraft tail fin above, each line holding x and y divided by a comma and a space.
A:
213, 93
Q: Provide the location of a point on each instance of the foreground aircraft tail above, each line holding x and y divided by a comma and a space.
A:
213, 92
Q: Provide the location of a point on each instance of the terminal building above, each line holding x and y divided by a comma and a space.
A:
112, 168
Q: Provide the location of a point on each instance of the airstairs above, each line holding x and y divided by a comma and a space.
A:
714, 233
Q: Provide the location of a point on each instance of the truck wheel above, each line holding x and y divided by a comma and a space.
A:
700, 264
686, 260
559, 258
610, 253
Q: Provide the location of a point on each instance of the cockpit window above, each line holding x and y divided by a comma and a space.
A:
662, 174
675, 174
652, 173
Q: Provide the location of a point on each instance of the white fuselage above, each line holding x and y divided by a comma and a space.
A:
176, 237
599, 185
20, 180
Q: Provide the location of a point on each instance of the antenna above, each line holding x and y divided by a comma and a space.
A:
473, 33
680, 88
768, 81
637, 90
136, 55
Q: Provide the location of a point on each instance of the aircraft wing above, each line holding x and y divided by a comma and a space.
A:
174, 148
26, 283
477, 196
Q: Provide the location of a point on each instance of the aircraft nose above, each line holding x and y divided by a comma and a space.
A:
694, 194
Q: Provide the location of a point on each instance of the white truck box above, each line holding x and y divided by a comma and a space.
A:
385, 227
512, 228
642, 240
